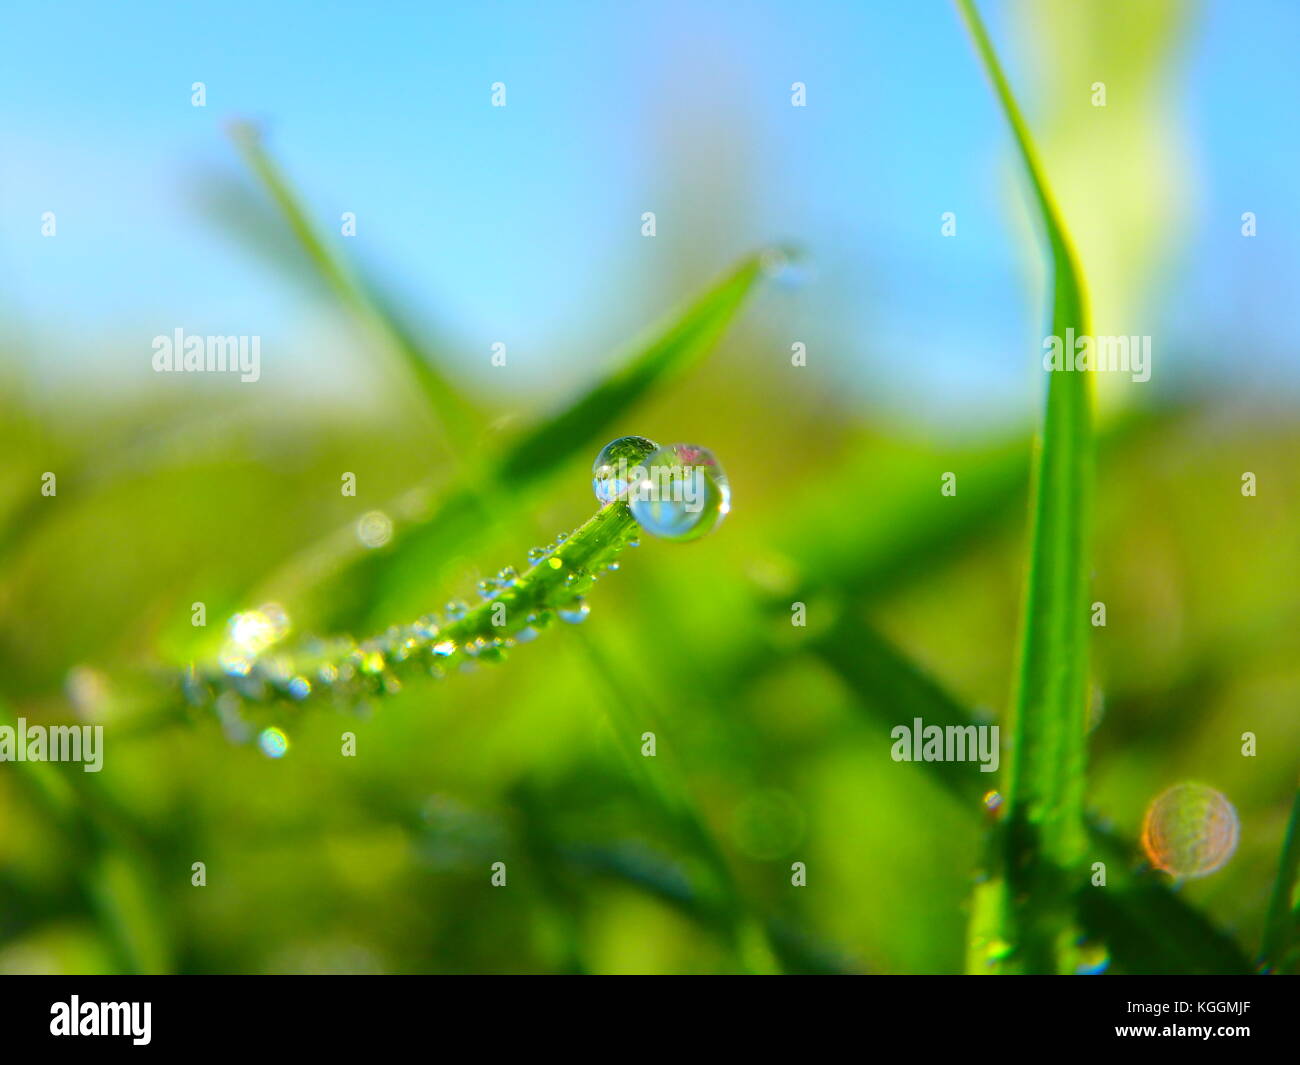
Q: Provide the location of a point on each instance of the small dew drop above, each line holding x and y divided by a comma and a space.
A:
374, 529
273, 742
1190, 830
575, 613
1093, 959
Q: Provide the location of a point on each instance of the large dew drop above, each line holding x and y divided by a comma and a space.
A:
1190, 830
683, 494
617, 465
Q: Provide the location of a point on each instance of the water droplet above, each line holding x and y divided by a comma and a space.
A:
445, 648
273, 742
997, 950
575, 613
784, 266
374, 529
1190, 830
494, 651
555, 563
300, 687
992, 800
249, 634
455, 610
683, 496
372, 662
536, 554
1093, 959
619, 465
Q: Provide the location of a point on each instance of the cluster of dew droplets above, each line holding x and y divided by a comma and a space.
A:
677, 493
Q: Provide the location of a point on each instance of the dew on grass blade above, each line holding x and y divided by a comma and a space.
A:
250, 633
273, 742
784, 266
612, 472
574, 613
1190, 830
374, 529
684, 494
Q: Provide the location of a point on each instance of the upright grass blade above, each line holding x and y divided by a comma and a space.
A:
1022, 919
1144, 926
1280, 950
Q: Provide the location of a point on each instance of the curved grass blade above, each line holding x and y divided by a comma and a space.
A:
254, 670
1022, 916
365, 586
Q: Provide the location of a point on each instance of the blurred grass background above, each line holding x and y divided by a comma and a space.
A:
190, 489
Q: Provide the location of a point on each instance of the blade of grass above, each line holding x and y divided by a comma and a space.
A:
1279, 951
628, 713
1022, 921
107, 866
1145, 927
456, 415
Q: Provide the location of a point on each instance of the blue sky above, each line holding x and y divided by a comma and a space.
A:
515, 223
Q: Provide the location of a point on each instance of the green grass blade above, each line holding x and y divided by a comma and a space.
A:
684, 341
456, 414
1044, 837
1280, 951
1144, 926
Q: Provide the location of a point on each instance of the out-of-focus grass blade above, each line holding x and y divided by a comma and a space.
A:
455, 413
1279, 952
108, 867
365, 585
685, 340
1022, 916
1144, 926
